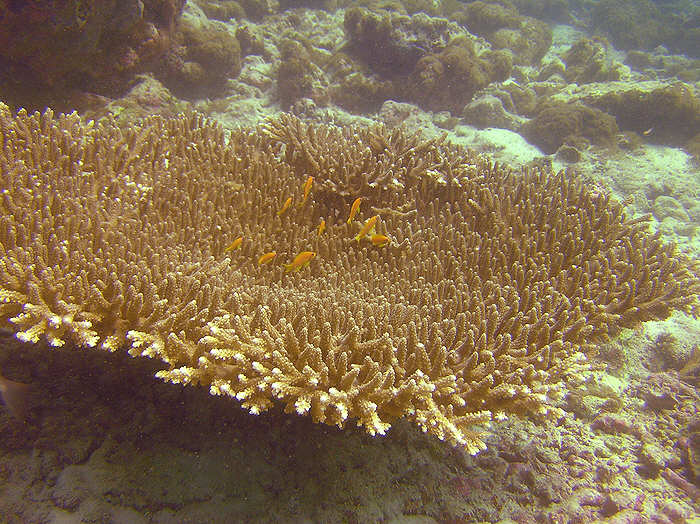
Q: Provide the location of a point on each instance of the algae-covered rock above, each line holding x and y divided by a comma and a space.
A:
692, 146
557, 10
529, 43
668, 114
588, 61
501, 25
361, 93
484, 18
256, 9
294, 76
222, 10
50, 49
630, 24
557, 123
206, 56
514, 97
373, 39
488, 111
448, 80
392, 44
660, 63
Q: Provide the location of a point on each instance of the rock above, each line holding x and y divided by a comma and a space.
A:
488, 111
666, 206
653, 458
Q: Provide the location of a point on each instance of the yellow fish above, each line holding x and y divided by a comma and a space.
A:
307, 189
285, 206
354, 209
301, 260
380, 240
234, 245
369, 226
321, 227
267, 257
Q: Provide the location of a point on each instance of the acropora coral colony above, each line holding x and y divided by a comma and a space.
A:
458, 291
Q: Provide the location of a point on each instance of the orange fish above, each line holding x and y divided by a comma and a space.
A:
267, 257
380, 240
285, 206
234, 245
301, 260
354, 209
369, 226
321, 227
307, 189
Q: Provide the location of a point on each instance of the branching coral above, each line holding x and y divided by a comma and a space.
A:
493, 287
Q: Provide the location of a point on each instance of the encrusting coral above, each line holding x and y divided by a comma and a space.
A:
478, 292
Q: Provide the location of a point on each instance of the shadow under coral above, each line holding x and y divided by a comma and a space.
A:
107, 440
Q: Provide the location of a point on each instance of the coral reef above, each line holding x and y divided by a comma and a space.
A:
50, 48
478, 304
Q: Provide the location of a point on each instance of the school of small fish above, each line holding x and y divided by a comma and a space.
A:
304, 258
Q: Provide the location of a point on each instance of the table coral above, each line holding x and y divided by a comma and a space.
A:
493, 287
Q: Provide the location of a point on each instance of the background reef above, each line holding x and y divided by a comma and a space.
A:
605, 89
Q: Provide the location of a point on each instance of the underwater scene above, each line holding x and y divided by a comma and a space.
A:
332, 261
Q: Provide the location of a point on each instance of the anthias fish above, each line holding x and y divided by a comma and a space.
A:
285, 206
300, 261
379, 240
307, 189
355, 208
369, 226
267, 257
234, 245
